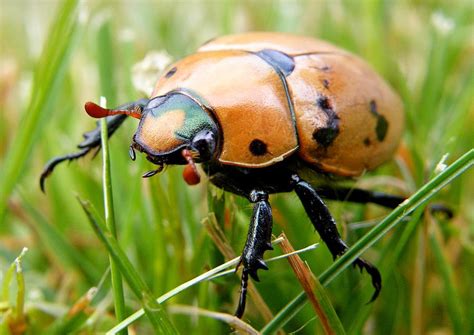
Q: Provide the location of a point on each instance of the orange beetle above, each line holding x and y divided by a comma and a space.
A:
259, 110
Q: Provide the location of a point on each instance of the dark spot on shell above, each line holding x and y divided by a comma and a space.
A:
326, 135
171, 72
373, 107
258, 147
367, 141
324, 103
381, 126
326, 83
280, 61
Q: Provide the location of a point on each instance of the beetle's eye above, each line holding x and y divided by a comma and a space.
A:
205, 143
155, 102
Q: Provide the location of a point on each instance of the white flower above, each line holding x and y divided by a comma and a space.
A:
442, 23
145, 73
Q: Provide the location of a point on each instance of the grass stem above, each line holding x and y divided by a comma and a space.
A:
117, 285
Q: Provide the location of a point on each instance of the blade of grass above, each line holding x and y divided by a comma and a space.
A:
391, 255
117, 286
138, 314
154, 311
55, 242
7, 278
85, 310
211, 274
417, 200
273, 259
314, 291
16, 321
237, 324
49, 75
76, 316
106, 59
454, 304
418, 281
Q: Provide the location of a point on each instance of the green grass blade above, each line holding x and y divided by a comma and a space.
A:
391, 255
106, 61
138, 314
155, 312
216, 272
285, 314
454, 304
48, 76
16, 319
315, 293
326, 305
117, 286
417, 200
55, 242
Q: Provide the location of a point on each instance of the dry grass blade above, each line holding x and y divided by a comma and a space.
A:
76, 316
237, 324
314, 291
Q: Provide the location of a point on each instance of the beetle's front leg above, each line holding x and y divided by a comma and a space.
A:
258, 241
326, 226
92, 139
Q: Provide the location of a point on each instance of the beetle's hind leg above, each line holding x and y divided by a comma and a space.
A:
92, 139
324, 223
258, 241
382, 199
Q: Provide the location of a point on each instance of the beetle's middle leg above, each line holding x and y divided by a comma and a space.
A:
326, 226
258, 241
92, 139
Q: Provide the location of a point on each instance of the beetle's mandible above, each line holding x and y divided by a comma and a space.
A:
258, 109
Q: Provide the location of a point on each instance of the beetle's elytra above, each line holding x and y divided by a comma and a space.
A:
258, 110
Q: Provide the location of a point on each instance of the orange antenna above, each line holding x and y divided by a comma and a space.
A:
98, 112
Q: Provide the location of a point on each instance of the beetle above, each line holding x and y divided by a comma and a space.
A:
267, 113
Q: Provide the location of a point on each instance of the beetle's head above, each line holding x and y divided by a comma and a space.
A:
173, 129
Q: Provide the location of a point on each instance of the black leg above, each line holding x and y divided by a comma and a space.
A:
326, 226
360, 196
92, 139
364, 196
258, 241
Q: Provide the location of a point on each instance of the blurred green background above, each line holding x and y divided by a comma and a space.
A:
56, 55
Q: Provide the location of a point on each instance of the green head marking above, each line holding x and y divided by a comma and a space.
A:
172, 122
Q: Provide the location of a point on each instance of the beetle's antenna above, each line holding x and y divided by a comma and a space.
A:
98, 112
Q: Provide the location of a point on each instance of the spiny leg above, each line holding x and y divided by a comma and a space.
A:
92, 139
326, 226
258, 241
48, 169
365, 196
